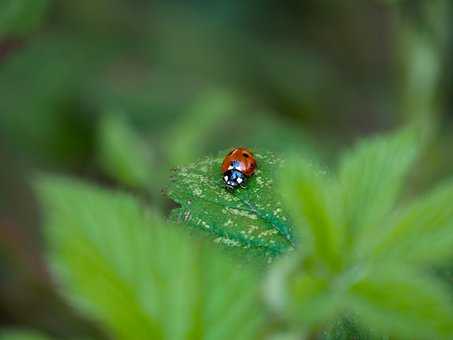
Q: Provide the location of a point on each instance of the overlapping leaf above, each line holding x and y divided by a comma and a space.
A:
397, 301
371, 176
251, 217
383, 252
310, 195
141, 278
422, 232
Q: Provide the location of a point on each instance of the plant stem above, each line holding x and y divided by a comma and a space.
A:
422, 29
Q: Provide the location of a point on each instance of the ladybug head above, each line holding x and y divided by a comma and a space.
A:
234, 178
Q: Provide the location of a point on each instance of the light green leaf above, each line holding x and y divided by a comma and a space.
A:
18, 17
398, 302
123, 154
386, 294
250, 218
313, 302
20, 334
423, 232
308, 300
284, 336
309, 193
371, 176
139, 277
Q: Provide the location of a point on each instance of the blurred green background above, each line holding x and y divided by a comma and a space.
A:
120, 92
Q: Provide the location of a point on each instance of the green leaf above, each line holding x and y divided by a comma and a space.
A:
18, 17
138, 276
346, 328
313, 303
383, 294
309, 194
249, 218
422, 233
308, 300
52, 125
123, 154
371, 176
19, 334
397, 301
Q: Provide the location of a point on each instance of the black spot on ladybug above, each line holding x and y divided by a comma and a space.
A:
246, 155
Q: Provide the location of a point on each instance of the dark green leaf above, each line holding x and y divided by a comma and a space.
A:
18, 17
346, 328
20, 334
250, 218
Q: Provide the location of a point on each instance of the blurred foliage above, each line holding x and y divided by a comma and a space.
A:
422, 50
13, 334
138, 275
121, 92
187, 136
19, 17
123, 154
361, 256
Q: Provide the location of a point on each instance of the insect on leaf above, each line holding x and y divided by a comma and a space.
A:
251, 217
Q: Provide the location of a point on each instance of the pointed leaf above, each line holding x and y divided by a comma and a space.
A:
309, 194
371, 176
123, 153
248, 218
312, 300
393, 300
422, 232
138, 276
307, 300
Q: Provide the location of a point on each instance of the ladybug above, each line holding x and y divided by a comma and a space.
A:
238, 165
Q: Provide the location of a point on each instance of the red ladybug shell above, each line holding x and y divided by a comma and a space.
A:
241, 159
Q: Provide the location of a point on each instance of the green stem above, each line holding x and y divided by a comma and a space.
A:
421, 46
